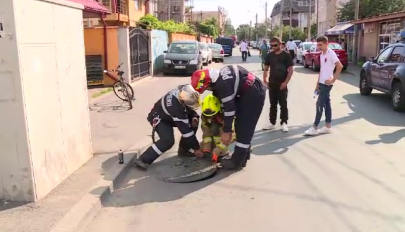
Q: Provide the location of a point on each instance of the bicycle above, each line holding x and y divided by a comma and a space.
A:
120, 86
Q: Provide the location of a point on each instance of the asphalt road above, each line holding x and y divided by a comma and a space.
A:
352, 180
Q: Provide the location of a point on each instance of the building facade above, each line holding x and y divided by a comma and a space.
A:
327, 14
300, 11
200, 16
170, 10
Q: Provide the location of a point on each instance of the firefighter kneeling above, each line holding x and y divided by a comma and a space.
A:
212, 124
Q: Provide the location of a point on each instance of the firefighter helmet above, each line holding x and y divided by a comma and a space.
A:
201, 80
189, 97
211, 106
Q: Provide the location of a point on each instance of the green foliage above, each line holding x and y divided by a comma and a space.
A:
314, 30
151, 22
243, 31
296, 33
208, 27
369, 8
229, 29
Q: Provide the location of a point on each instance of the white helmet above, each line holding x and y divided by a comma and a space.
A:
189, 97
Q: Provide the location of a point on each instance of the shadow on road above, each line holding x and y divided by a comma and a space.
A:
276, 142
388, 138
139, 187
116, 106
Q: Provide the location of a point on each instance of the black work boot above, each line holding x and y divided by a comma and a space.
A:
184, 152
140, 164
230, 164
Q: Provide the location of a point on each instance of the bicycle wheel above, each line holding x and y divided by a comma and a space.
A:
119, 87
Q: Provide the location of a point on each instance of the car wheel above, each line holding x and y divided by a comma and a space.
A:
364, 87
398, 97
304, 63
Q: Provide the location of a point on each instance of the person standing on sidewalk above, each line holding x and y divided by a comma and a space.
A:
264, 49
281, 69
244, 50
324, 84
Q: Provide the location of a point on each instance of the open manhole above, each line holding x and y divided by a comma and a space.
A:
184, 169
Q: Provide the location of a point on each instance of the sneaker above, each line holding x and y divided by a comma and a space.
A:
311, 131
325, 130
140, 164
269, 127
284, 127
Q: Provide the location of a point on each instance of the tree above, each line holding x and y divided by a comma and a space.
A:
243, 31
296, 33
369, 8
208, 27
228, 28
314, 30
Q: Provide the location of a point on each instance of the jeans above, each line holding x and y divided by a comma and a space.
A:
277, 97
244, 55
323, 102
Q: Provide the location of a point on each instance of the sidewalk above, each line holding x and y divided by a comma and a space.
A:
354, 70
113, 128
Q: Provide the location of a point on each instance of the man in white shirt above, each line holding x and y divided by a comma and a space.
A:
244, 49
324, 84
292, 48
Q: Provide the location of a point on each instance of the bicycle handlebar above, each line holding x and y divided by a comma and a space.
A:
116, 69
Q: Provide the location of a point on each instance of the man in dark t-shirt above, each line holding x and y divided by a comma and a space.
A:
281, 68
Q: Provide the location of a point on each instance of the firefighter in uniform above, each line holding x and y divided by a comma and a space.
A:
212, 122
242, 96
175, 109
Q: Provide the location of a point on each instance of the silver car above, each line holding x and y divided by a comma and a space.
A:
206, 53
217, 52
303, 49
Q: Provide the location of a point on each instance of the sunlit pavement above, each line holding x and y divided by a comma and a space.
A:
351, 180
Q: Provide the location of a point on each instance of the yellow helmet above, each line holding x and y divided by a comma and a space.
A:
211, 106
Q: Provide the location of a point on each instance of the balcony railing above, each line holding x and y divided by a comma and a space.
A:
116, 6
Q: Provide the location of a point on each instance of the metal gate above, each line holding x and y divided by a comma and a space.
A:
139, 52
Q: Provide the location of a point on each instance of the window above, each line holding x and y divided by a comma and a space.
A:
136, 3
382, 58
302, 3
182, 48
335, 46
313, 48
397, 55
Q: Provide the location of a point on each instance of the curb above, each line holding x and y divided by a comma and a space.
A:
82, 214
140, 81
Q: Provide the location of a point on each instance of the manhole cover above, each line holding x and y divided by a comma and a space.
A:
184, 169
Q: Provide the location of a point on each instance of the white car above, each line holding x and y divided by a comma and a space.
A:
206, 53
303, 49
217, 52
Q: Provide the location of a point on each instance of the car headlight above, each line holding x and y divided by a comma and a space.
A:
193, 61
167, 61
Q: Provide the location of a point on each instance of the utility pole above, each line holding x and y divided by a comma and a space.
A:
281, 19
250, 31
169, 9
356, 33
291, 15
309, 19
265, 22
201, 16
256, 29
317, 17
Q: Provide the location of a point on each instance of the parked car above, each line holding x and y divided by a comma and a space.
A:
312, 58
182, 57
386, 73
303, 49
253, 44
297, 42
217, 52
206, 53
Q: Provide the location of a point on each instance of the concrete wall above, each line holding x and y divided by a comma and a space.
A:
159, 40
180, 36
124, 52
42, 141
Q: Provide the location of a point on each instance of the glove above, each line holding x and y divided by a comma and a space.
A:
207, 155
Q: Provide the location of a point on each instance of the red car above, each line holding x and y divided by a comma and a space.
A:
312, 58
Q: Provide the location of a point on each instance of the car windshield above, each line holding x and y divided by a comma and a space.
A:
203, 46
215, 46
334, 46
308, 46
183, 48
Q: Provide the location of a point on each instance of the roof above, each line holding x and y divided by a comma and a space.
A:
92, 6
382, 17
340, 29
295, 7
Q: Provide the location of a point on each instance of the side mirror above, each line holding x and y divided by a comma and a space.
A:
371, 59
165, 52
